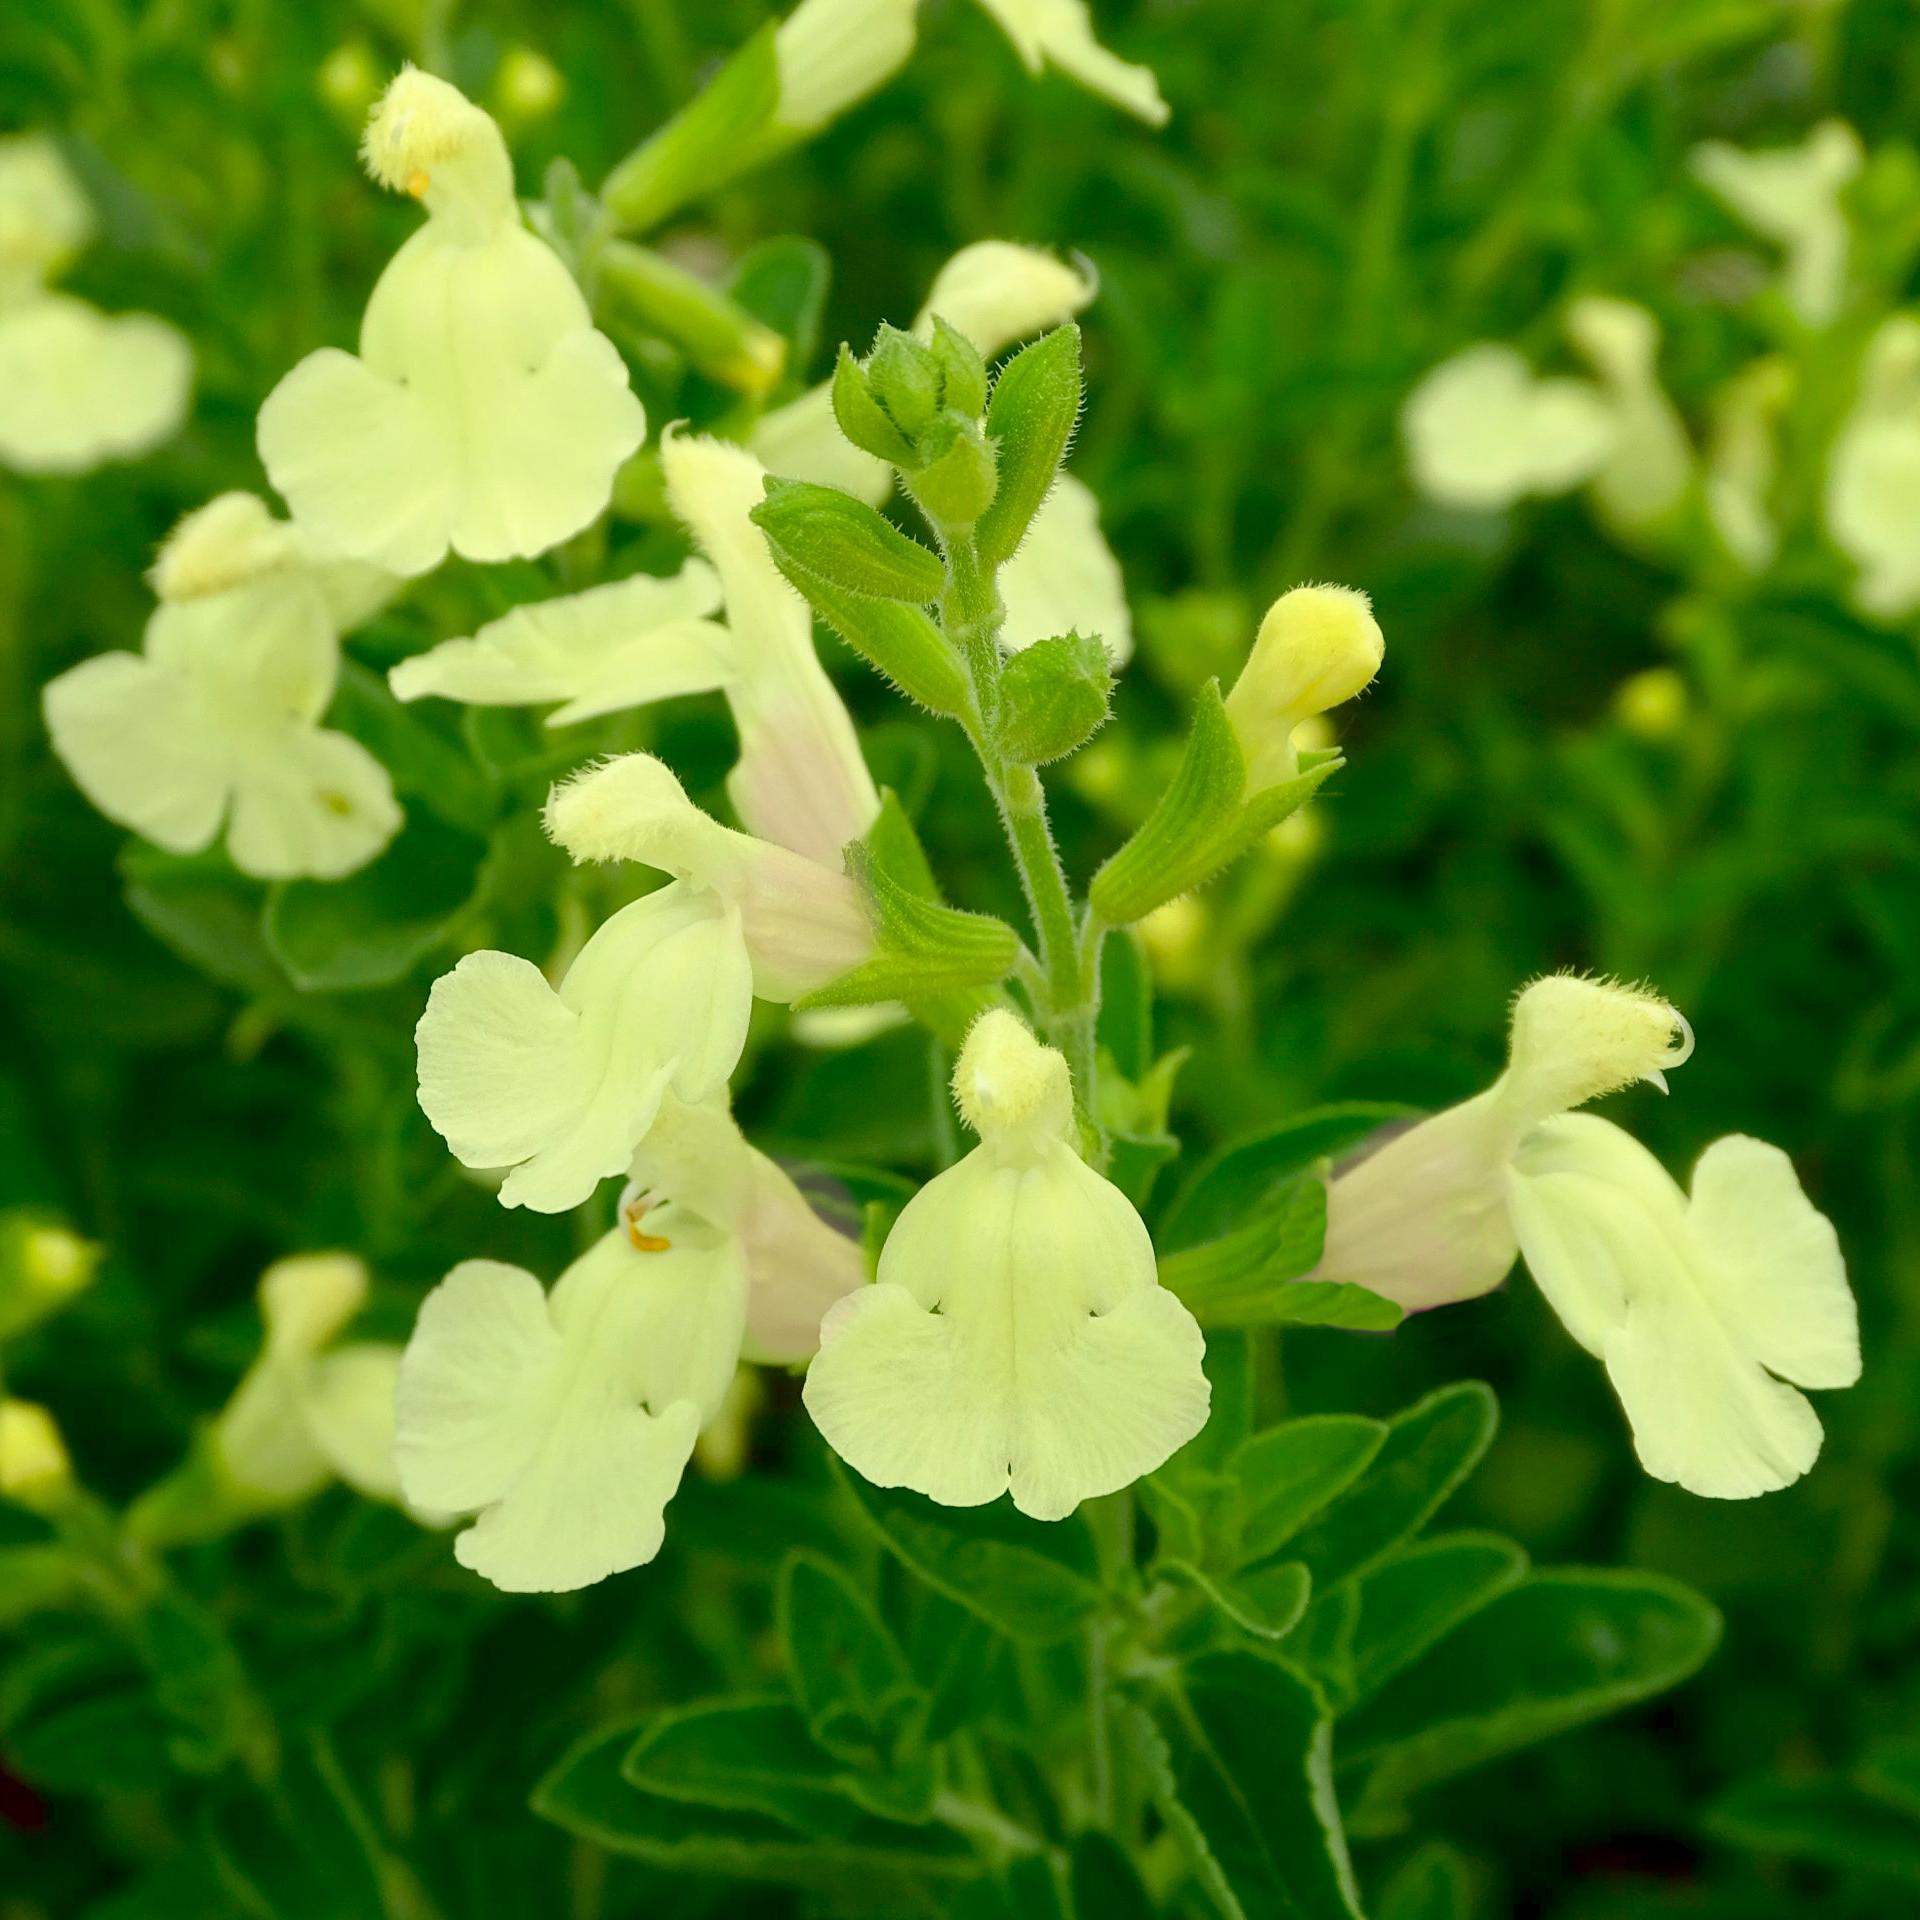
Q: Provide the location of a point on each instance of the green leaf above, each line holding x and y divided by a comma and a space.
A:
205, 912
1033, 1580
1031, 417
747, 1756
963, 374
1430, 1885
110, 1742
1202, 821
1239, 1759
1053, 698
1422, 1594
586, 1794
1251, 1276
1825, 1820
835, 538
1288, 1473
1238, 1177
1267, 1602
925, 950
723, 130
35, 1578
1102, 1882
1429, 1449
783, 283
374, 927
1561, 1648
848, 1674
898, 641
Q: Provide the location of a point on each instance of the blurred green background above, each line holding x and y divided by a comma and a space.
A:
1349, 191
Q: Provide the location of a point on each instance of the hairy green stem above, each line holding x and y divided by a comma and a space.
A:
971, 613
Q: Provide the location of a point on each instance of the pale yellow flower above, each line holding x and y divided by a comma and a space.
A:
1059, 33
483, 412
1017, 1337
565, 1421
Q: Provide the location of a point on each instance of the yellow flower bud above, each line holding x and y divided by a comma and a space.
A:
349, 79
527, 85
34, 1468
1652, 704
1317, 647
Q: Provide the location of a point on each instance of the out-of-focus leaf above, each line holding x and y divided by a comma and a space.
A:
375, 926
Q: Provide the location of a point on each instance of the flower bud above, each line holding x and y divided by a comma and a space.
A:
349, 80
1318, 647
527, 86
34, 1469
958, 483
832, 53
42, 1266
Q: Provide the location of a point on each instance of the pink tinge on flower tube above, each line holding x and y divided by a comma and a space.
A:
800, 779
1424, 1219
804, 922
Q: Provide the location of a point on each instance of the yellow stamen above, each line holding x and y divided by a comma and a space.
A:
418, 183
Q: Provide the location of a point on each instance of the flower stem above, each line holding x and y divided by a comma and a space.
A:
971, 613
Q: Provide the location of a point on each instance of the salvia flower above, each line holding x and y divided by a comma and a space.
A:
77, 386
803, 922
1017, 1337
606, 650
565, 1421
560, 1086
216, 720
800, 779
1649, 460
1700, 1309
1424, 1218
483, 412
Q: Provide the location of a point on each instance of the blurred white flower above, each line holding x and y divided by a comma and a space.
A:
217, 718
77, 386
1873, 474
1792, 196
1482, 431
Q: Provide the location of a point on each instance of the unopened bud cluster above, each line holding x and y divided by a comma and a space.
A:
917, 404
